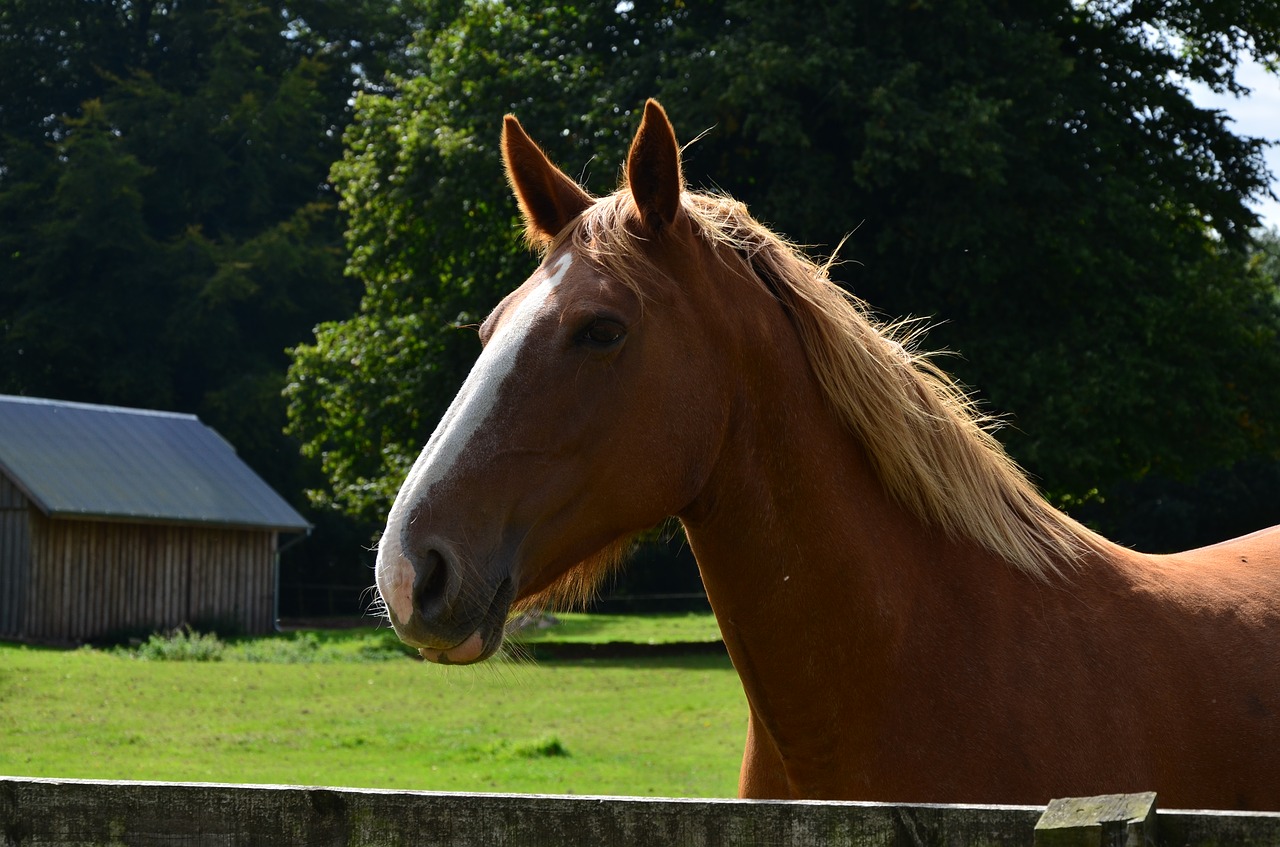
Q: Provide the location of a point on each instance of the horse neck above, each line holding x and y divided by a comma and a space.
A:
807, 561
794, 534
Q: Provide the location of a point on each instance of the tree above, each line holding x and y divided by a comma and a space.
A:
1163, 513
77, 295
433, 232
166, 224
1033, 176
166, 229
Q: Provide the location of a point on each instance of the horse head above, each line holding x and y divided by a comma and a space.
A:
591, 414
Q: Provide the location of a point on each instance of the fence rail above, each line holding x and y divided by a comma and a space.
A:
43, 812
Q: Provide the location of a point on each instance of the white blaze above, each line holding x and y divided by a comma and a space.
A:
467, 413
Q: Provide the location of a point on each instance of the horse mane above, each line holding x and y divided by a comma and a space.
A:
930, 445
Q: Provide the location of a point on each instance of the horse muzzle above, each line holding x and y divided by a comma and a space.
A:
451, 620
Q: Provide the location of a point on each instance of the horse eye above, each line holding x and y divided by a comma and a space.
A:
603, 333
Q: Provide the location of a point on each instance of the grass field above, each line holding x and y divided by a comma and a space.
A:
350, 709
576, 628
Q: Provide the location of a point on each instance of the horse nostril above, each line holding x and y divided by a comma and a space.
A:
430, 581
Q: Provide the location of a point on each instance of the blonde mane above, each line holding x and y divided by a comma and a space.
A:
931, 447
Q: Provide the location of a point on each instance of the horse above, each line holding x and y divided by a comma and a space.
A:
911, 621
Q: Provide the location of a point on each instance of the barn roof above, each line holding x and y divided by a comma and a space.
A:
75, 460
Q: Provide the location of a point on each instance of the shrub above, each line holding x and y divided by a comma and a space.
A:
303, 648
547, 746
183, 644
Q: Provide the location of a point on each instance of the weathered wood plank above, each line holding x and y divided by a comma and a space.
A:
35, 578
48, 812
1218, 829
52, 812
1112, 820
84, 579
15, 569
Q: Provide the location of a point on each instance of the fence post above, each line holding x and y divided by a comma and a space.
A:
1113, 820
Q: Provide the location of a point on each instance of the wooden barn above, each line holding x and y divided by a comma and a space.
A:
118, 521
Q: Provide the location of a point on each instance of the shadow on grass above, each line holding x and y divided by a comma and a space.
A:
608, 639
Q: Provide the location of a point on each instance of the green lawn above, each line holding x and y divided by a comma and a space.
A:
348, 709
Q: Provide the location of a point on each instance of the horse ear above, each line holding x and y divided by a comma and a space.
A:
653, 168
548, 199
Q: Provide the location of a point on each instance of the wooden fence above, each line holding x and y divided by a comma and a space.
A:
42, 812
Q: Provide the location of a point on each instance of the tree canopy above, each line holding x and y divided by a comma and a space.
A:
433, 232
166, 226
190, 187
1032, 177
1036, 177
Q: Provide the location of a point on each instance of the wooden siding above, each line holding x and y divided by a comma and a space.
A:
15, 556
85, 813
92, 578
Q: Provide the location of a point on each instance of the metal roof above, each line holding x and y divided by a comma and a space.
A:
104, 462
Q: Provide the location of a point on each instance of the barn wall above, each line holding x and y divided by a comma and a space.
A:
94, 578
15, 556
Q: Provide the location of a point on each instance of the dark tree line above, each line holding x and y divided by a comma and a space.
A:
189, 187
1033, 177
167, 227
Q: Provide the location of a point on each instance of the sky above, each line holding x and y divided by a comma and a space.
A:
1257, 115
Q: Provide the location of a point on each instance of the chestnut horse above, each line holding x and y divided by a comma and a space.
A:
911, 621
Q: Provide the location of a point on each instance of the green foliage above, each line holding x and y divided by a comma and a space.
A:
322, 647
546, 746
381, 644
433, 232
1265, 260
1033, 176
166, 229
305, 647
166, 225
1163, 515
181, 645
